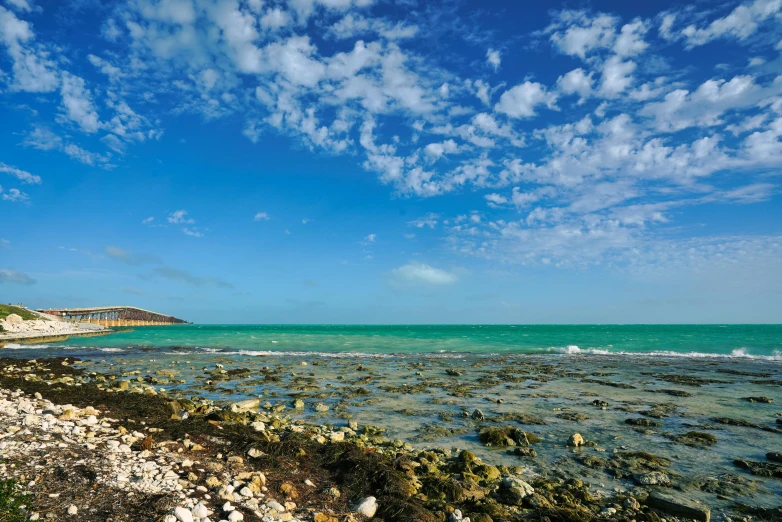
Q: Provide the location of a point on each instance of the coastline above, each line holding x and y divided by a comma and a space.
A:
216, 449
36, 338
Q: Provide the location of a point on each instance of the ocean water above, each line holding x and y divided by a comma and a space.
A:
764, 341
542, 378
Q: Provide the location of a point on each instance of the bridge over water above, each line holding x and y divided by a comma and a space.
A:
114, 316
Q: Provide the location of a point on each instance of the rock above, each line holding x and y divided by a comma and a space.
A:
366, 506
246, 405
183, 514
774, 456
653, 478
337, 436
632, 504
478, 415
456, 516
453, 373
679, 506
200, 511
322, 517
298, 404
235, 516
320, 407
276, 506
14, 319
764, 400
643, 421
575, 440
255, 453
72, 510
513, 490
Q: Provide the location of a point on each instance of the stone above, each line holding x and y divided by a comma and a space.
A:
366, 506
235, 516
322, 517
298, 404
183, 514
245, 405
200, 511
255, 453
14, 319
679, 506
575, 440
632, 504
653, 478
320, 407
456, 516
72, 510
513, 490
478, 415
276, 506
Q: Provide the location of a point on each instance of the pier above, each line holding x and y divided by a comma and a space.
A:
114, 316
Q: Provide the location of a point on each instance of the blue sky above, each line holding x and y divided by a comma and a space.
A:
386, 161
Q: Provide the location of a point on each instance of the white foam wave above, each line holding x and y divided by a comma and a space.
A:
112, 350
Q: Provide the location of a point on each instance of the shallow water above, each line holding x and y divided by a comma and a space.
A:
394, 383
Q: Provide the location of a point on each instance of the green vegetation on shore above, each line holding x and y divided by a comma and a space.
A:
12, 501
6, 310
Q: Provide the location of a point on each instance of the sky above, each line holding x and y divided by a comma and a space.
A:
394, 161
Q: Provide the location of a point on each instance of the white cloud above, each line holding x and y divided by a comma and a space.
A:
437, 150
576, 81
78, 105
147, 221
261, 216
617, 76
9, 275
21, 175
630, 40
180, 217
421, 273
493, 58
370, 238
521, 100
583, 33
275, 19
429, 220
740, 23
14, 196
22, 5
193, 232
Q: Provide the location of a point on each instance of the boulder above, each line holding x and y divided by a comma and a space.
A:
575, 440
366, 506
246, 405
513, 490
679, 506
14, 319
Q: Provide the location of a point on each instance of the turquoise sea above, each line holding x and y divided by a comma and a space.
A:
763, 341
423, 383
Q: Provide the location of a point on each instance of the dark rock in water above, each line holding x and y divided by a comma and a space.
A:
674, 393
507, 436
746, 424
774, 456
478, 415
679, 506
599, 403
453, 373
648, 423
523, 452
764, 399
762, 469
696, 438
573, 416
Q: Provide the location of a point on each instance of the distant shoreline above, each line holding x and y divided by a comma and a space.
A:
33, 338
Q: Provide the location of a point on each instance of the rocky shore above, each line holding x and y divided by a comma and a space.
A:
86, 446
44, 328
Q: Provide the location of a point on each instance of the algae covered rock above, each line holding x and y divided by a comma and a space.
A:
507, 436
575, 440
512, 490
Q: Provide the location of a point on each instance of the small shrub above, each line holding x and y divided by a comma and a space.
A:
12, 502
